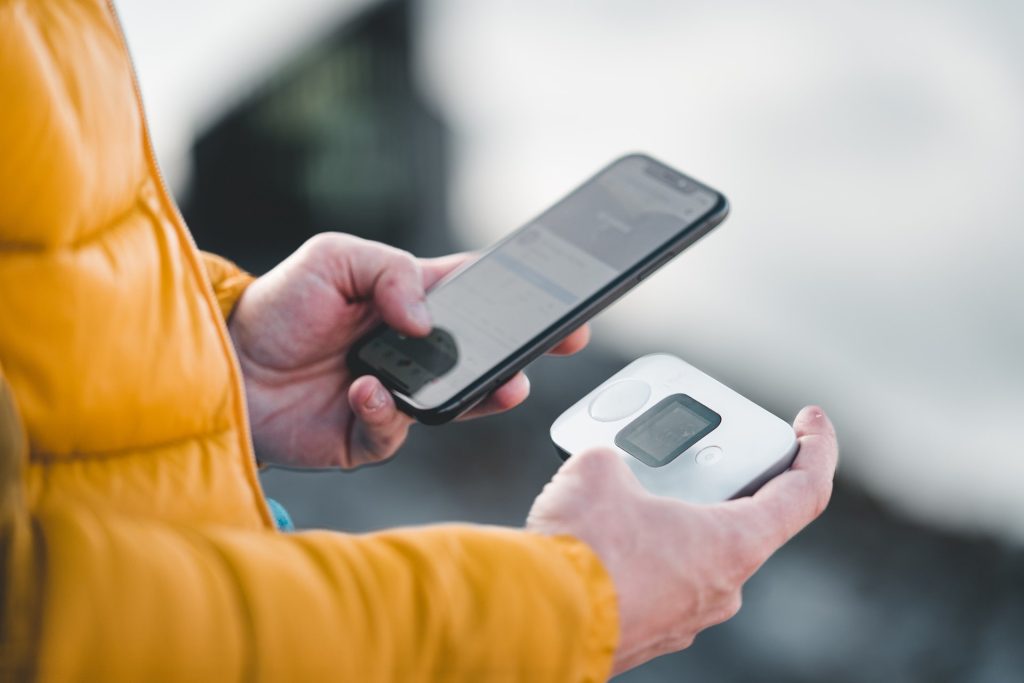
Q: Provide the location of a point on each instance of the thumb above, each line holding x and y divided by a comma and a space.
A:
597, 470
379, 428
791, 501
587, 483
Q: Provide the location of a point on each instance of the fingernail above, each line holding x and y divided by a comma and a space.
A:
376, 400
418, 313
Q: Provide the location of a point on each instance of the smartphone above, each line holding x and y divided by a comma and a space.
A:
522, 296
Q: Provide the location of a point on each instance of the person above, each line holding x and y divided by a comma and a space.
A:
136, 373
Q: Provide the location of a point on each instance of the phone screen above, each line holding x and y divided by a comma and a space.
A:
529, 282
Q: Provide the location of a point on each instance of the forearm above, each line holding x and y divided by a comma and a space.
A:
441, 603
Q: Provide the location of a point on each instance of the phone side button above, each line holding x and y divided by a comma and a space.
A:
658, 264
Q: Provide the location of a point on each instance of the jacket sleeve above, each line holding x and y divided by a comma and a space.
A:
90, 594
125, 599
228, 280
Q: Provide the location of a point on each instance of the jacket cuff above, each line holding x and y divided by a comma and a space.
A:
602, 637
228, 280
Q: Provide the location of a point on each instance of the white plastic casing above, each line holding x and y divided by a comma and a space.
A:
754, 444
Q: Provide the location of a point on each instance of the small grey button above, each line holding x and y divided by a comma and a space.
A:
709, 455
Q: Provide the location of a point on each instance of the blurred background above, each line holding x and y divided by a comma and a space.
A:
872, 152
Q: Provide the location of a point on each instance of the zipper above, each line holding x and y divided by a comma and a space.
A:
248, 452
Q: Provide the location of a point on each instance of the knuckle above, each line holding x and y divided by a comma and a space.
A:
678, 638
327, 248
388, 280
329, 241
744, 564
747, 564
726, 609
399, 258
743, 548
684, 641
399, 267
407, 257
733, 606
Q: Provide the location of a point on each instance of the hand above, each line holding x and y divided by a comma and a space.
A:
293, 327
679, 568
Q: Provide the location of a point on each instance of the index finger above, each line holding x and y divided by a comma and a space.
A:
795, 498
434, 269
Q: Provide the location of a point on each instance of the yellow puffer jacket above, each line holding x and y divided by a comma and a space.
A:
134, 541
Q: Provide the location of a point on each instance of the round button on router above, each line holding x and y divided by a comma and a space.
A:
709, 455
620, 400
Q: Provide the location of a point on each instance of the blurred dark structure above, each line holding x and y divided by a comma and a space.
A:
337, 140
340, 139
